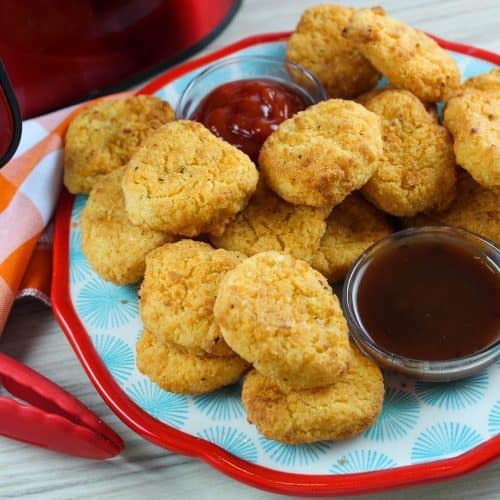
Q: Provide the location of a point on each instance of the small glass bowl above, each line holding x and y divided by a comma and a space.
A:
244, 68
436, 371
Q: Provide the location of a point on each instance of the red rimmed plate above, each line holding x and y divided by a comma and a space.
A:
426, 432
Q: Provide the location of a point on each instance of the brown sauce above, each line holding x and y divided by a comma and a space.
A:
430, 301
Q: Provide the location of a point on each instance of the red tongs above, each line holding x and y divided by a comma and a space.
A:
51, 418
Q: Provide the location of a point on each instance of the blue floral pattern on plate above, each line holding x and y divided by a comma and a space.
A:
223, 404
78, 204
443, 440
419, 422
116, 355
456, 395
232, 440
165, 406
494, 419
80, 267
399, 415
104, 305
364, 460
293, 455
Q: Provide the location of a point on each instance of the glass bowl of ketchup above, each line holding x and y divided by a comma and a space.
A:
243, 99
426, 302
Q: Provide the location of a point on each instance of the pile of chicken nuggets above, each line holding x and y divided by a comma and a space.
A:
237, 259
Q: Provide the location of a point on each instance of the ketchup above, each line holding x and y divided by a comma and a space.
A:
245, 112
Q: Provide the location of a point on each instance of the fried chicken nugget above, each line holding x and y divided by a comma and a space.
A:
281, 315
409, 58
474, 121
115, 248
487, 82
338, 411
176, 370
323, 153
364, 98
475, 208
178, 294
185, 180
317, 45
103, 137
351, 228
417, 170
270, 223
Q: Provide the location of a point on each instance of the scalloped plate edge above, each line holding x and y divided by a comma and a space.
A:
166, 436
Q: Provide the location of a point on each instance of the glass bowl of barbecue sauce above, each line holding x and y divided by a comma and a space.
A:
244, 99
426, 302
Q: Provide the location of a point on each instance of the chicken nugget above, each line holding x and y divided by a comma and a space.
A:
363, 99
475, 209
115, 248
351, 228
270, 223
281, 315
406, 56
323, 153
416, 173
176, 370
317, 45
474, 121
487, 82
178, 294
338, 411
185, 180
103, 137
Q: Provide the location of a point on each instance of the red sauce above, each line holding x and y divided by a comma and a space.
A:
245, 112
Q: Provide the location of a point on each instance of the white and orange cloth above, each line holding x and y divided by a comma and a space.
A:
29, 189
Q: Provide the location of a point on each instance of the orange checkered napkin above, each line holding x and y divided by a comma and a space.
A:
29, 188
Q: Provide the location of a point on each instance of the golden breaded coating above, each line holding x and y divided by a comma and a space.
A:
322, 154
178, 294
487, 82
176, 370
317, 45
475, 208
474, 121
270, 223
115, 248
417, 170
406, 56
278, 313
364, 98
103, 137
185, 180
338, 411
367, 96
351, 228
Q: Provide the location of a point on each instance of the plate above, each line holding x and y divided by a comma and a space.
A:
425, 432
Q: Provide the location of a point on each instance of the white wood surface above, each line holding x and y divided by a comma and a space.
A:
34, 337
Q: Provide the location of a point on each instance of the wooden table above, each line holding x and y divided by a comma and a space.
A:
34, 337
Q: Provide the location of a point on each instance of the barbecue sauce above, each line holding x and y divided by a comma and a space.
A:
430, 300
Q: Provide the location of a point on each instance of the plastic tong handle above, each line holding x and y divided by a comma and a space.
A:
53, 418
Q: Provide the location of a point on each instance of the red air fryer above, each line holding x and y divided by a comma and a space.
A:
58, 52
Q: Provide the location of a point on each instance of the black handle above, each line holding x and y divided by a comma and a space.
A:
11, 110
